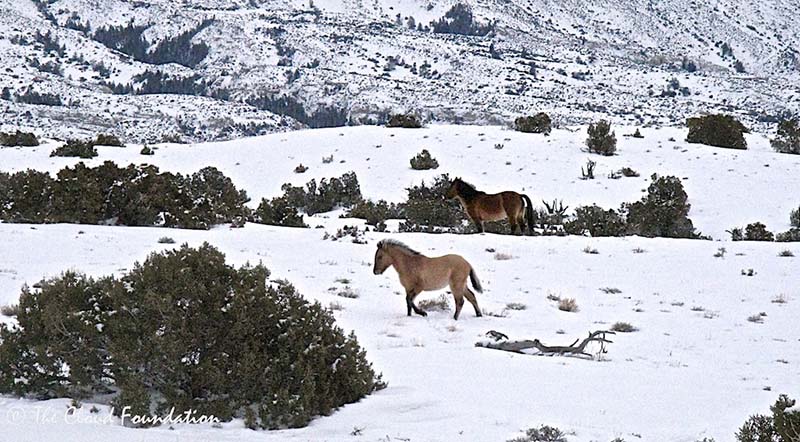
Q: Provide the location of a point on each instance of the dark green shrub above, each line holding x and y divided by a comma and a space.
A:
374, 213
595, 221
794, 217
459, 20
424, 161
537, 124
717, 130
791, 235
328, 195
278, 212
545, 433
628, 172
215, 199
637, 134
662, 212
188, 331
108, 140
18, 138
428, 210
601, 139
409, 121
146, 150
58, 325
134, 196
75, 148
788, 137
782, 426
757, 232
26, 197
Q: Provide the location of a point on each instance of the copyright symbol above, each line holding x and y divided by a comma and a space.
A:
15, 415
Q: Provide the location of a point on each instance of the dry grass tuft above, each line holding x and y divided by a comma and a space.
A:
568, 305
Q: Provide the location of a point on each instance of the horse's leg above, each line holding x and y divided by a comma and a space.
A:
410, 295
514, 224
471, 298
473, 215
458, 296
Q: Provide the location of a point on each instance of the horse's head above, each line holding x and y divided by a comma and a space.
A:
452, 191
382, 259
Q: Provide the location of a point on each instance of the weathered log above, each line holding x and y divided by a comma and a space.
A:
501, 342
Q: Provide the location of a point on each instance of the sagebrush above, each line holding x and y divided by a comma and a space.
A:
217, 340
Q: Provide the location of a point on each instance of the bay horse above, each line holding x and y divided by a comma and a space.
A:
480, 206
419, 273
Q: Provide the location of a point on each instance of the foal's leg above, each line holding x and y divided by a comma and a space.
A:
458, 296
471, 298
410, 295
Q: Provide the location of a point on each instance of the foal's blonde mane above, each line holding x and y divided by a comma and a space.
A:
397, 244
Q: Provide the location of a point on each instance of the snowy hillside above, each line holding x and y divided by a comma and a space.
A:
696, 368
221, 69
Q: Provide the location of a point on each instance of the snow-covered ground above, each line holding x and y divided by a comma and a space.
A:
696, 368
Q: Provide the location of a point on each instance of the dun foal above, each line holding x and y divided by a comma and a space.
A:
419, 273
482, 206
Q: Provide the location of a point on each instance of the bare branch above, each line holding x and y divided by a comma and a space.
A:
574, 349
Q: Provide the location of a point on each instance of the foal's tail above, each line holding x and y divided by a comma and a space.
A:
476, 283
529, 219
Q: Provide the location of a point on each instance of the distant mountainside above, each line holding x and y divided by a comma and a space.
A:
150, 70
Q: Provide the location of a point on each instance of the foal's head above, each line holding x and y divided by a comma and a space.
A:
382, 259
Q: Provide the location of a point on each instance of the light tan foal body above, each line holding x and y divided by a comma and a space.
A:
419, 273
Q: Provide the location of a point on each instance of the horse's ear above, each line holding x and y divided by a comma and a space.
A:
380, 244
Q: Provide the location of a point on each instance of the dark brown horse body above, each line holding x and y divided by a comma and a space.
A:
482, 206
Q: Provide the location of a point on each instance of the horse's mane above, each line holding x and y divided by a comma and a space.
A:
466, 189
398, 244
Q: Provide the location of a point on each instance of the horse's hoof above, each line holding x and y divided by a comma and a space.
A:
422, 313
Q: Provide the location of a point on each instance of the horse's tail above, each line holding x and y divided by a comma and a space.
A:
529, 219
476, 283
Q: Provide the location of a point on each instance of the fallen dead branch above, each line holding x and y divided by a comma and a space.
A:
499, 341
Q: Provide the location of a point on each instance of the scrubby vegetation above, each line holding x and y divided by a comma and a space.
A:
752, 232
217, 339
375, 213
460, 20
325, 196
791, 235
787, 139
278, 212
662, 212
108, 140
782, 426
76, 148
717, 130
427, 210
18, 138
623, 327
601, 139
314, 198
424, 161
537, 124
545, 433
134, 196
409, 121
596, 221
